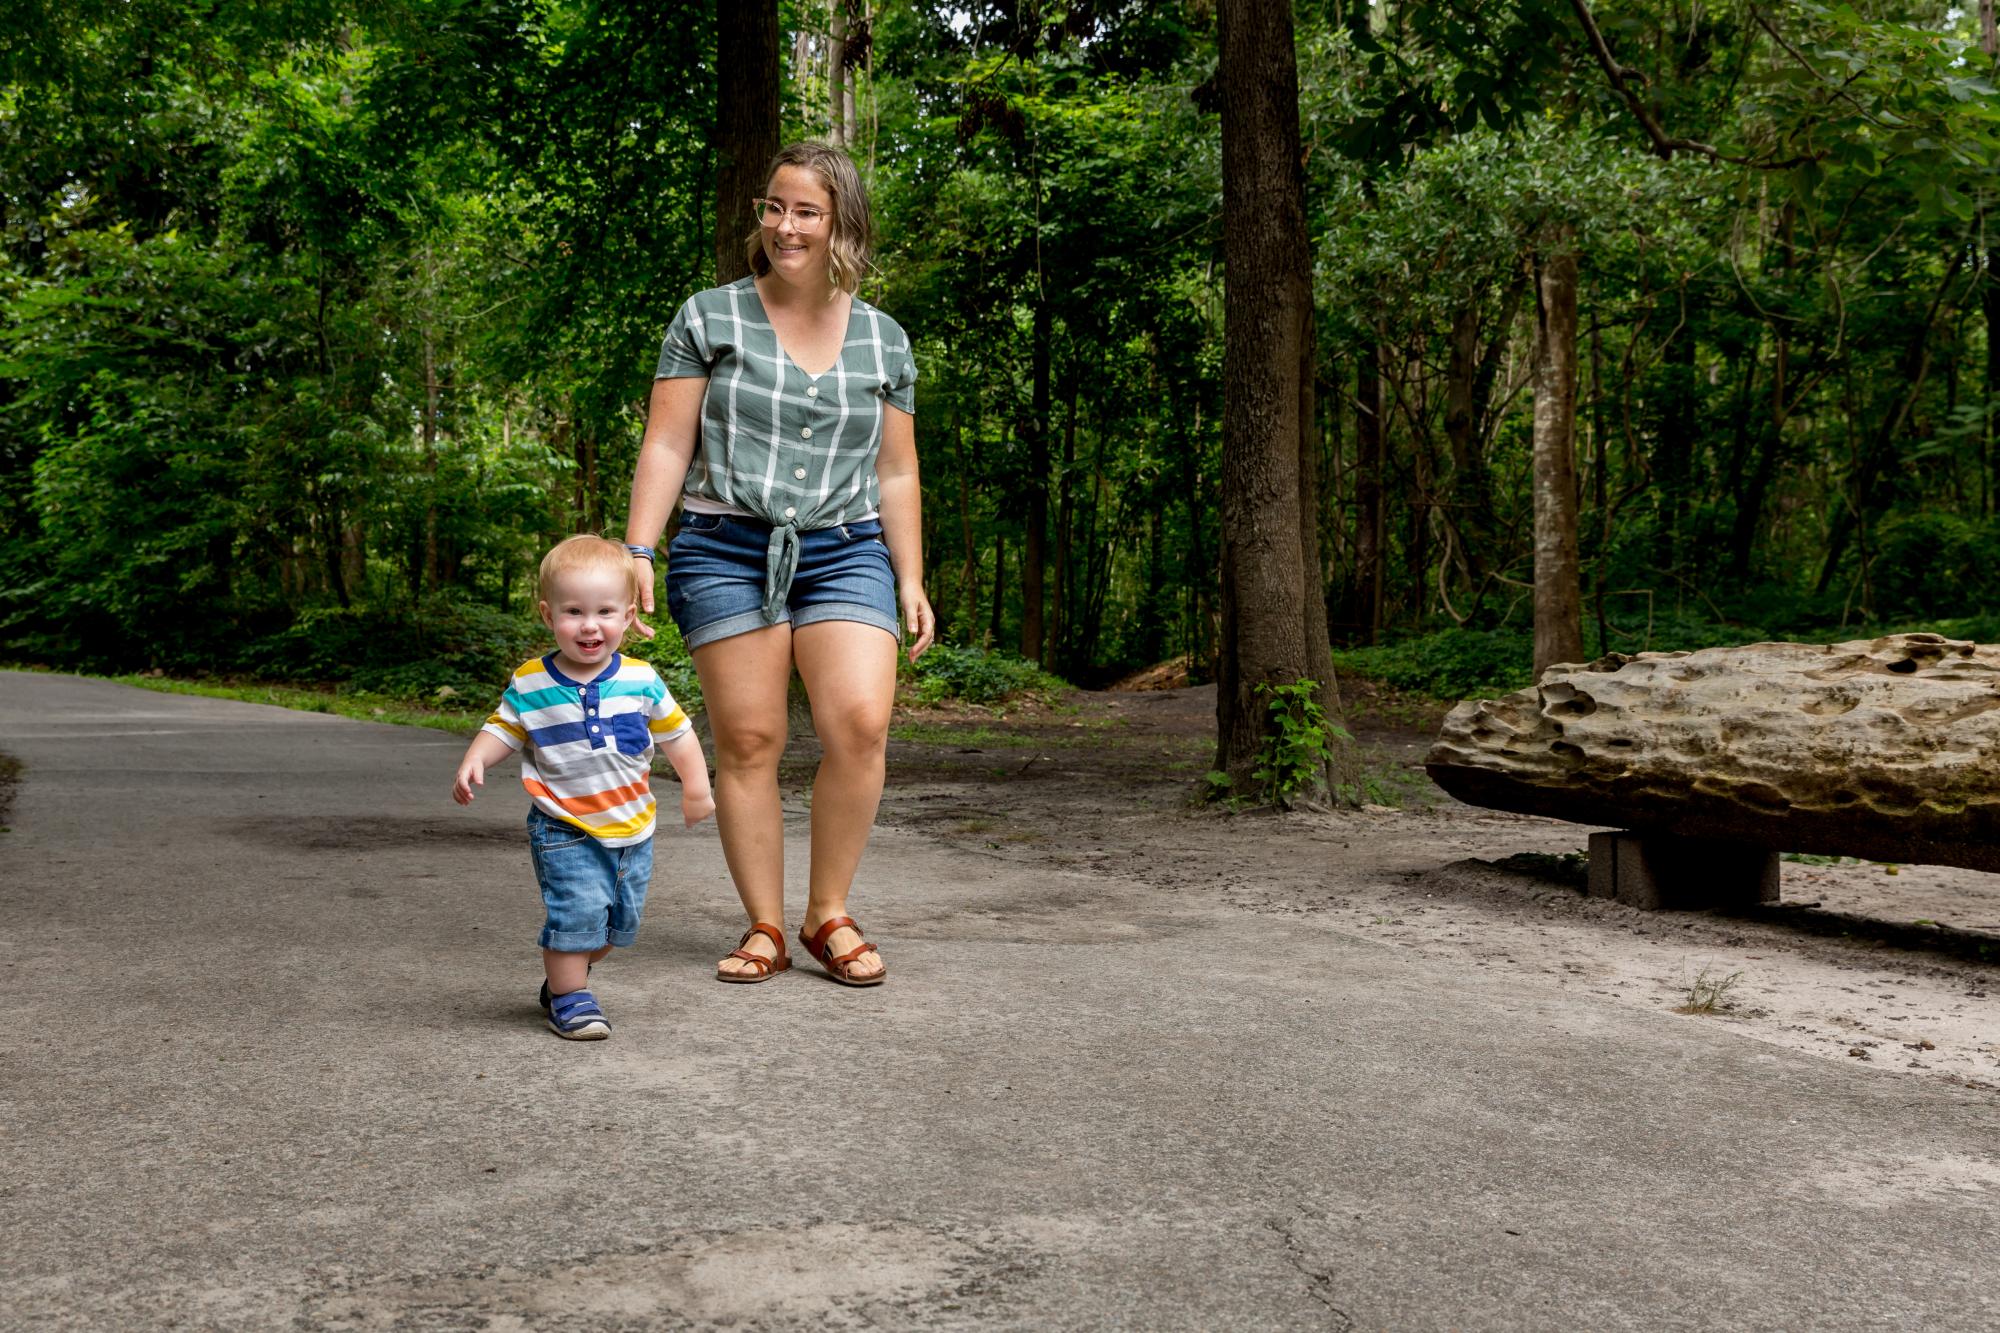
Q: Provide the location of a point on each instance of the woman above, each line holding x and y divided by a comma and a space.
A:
781, 421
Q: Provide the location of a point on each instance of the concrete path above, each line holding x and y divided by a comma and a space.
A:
274, 1061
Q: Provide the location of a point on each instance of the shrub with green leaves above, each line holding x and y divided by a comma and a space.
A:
1449, 664
1299, 748
977, 676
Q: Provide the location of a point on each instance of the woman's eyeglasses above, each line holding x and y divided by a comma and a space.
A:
771, 213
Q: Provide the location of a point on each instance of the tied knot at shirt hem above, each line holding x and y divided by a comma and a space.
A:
781, 564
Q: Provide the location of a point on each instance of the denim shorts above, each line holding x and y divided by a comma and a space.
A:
594, 894
715, 577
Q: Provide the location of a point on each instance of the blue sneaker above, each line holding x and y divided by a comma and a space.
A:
575, 1016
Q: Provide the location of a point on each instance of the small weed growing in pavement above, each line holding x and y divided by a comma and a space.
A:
1706, 991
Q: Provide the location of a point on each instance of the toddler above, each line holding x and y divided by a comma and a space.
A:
586, 720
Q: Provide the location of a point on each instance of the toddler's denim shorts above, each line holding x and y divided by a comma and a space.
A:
594, 894
715, 577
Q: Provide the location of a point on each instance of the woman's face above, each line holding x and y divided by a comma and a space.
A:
798, 255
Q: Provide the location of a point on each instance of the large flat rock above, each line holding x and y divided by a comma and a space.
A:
1881, 748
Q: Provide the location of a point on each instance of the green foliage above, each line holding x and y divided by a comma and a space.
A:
669, 656
415, 654
977, 676
1931, 558
318, 324
1298, 749
1449, 664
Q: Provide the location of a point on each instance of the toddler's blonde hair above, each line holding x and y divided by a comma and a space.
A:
587, 551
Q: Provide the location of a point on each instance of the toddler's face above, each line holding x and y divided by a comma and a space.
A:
589, 612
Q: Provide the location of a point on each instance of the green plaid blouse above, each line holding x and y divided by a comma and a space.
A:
796, 450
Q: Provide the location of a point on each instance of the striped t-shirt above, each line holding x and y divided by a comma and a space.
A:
587, 746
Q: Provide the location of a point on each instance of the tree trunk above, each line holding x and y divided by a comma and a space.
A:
1034, 547
746, 122
1878, 452
968, 577
1469, 503
1062, 604
428, 581
1197, 575
1558, 595
1319, 650
1673, 459
999, 586
1151, 637
836, 71
1267, 322
1989, 299
1370, 527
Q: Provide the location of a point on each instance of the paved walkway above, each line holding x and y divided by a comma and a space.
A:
274, 1061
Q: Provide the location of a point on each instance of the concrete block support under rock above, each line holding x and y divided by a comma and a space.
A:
1662, 872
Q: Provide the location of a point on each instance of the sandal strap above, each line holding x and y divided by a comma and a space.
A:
769, 932
816, 946
853, 954
763, 963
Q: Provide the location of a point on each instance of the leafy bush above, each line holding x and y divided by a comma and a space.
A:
1297, 752
1930, 561
976, 675
399, 653
1449, 664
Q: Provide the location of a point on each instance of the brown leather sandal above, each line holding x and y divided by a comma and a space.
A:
766, 967
839, 968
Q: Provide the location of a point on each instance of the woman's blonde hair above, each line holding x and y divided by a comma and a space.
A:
852, 235
586, 551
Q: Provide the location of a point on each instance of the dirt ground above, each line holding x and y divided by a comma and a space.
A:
1890, 968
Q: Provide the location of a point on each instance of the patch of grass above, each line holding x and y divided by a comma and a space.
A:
364, 705
1392, 784
974, 738
1707, 991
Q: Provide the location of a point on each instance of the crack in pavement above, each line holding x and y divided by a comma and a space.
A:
1319, 1284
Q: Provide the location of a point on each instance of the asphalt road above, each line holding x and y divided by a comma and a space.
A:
275, 1062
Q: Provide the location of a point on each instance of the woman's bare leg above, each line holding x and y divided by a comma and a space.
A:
744, 679
849, 670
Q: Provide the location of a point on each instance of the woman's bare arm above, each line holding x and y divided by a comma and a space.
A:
902, 524
673, 429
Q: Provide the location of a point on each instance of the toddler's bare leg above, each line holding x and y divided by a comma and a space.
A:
569, 971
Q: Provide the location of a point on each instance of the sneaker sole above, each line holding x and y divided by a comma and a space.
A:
595, 1030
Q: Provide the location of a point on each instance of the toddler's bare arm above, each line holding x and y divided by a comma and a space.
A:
684, 753
485, 751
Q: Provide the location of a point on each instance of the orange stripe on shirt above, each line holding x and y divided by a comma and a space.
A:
595, 803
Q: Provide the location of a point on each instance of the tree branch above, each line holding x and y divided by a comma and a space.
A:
1665, 145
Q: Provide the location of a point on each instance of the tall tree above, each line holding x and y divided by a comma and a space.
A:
746, 121
1558, 588
1269, 578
